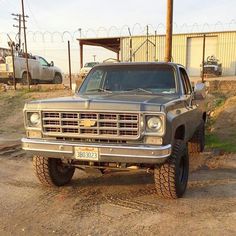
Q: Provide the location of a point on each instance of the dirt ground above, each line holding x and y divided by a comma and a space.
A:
12, 104
225, 124
117, 203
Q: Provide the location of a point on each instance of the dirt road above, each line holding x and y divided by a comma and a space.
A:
115, 203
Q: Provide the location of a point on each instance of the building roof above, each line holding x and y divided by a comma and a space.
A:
112, 44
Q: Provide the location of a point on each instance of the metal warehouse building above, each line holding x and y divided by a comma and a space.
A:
187, 49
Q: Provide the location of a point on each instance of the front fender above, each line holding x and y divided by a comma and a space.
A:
180, 115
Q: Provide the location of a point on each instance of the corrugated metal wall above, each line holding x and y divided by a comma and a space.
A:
226, 49
227, 52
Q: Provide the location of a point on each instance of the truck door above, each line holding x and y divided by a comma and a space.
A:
46, 72
193, 114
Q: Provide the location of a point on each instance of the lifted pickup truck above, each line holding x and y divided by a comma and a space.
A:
40, 71
124, 116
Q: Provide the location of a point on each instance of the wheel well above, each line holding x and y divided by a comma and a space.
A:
58, 73
25, 72
204, 116
180, 132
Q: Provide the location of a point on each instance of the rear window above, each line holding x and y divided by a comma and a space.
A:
90, 64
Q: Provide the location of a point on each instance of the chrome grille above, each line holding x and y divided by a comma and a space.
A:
91, 125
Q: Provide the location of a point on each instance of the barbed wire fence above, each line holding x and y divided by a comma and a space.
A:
53, 44
123, 31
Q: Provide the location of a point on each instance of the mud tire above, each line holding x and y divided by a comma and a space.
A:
24, 80
51, 171
171, 178
57, 79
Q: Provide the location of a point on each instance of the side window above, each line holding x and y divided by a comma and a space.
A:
185, 81
43, 62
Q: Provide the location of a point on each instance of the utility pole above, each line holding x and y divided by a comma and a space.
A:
18, 17
130, 45
26, 51
12, 44
169, 29
147, 41
80, 32
19, 32
203, 57
94, 58
69, 59
155, 55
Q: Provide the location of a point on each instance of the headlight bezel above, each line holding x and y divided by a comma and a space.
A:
152, 132
29, 124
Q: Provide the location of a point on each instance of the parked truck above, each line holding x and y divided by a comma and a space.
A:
212, 66
125, 116
40, 71
87, 67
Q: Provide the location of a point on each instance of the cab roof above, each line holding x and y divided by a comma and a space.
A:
138, 64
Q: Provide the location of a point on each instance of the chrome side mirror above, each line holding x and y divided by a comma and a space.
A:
200, 91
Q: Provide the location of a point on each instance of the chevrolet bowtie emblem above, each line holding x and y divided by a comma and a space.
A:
87, 123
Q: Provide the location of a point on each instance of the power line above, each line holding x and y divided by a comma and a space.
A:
137, 29
33, 16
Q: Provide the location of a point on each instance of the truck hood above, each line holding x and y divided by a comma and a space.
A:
110, 102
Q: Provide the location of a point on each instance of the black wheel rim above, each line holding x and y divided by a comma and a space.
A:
61, 167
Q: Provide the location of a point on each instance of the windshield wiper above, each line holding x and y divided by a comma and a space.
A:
99, 90
139, 90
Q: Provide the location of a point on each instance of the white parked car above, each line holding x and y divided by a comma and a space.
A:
87, 67
40, 71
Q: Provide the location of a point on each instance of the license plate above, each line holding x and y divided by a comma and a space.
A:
86, 153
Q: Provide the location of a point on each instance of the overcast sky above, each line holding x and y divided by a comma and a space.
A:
73, 14
62, 15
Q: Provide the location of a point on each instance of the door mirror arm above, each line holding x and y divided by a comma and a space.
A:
192, 97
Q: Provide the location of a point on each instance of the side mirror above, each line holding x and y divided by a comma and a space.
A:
200, 91
52, 63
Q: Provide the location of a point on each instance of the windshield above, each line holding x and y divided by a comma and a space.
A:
130, 78
90, 64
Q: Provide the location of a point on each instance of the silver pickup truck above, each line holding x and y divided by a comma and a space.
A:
40, 71
124, 116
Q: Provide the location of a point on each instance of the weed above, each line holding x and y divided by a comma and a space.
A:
215, 142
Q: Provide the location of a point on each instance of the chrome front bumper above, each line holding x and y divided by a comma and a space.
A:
107, 152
